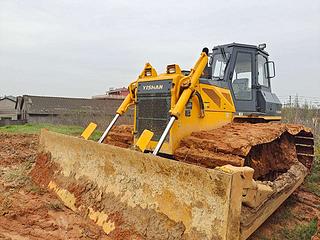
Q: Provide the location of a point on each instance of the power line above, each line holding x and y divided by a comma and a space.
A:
297, 101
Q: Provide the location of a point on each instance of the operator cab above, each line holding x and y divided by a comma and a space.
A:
246, 71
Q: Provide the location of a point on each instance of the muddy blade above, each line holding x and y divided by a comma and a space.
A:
132, 195
127, 192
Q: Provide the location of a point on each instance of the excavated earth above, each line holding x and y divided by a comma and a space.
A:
120, 136
28, 211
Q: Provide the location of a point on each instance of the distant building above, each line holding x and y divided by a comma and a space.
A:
118, 92
69, 111
113, 93
7, 108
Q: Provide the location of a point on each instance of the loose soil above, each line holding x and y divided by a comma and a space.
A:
120, 136
28, 211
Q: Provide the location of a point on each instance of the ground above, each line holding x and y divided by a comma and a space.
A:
30, 212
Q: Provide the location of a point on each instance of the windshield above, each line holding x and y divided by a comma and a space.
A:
219, 64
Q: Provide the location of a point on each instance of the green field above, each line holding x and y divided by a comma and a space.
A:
35, 129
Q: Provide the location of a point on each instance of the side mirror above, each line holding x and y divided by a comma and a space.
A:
210, 59
269, 69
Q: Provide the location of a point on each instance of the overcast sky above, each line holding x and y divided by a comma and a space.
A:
81, 48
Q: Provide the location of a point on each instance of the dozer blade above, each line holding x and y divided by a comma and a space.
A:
132, 195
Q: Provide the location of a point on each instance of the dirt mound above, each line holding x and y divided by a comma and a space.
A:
120, 136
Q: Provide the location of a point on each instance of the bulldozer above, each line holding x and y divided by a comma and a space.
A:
206, 157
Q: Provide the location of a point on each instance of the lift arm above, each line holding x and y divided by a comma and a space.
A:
192, 79
148, 71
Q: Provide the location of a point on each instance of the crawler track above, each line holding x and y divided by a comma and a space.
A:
269, 148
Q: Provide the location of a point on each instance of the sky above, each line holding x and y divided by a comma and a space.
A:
81, 48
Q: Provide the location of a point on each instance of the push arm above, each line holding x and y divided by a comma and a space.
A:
193, 79
148, 71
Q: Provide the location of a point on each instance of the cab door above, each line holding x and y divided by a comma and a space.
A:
267, 102
242, 81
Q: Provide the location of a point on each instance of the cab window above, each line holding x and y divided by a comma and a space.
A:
262, 74
242, 77
218, 67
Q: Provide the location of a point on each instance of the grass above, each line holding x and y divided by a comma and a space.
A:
33, 188
309, 116
17, 176
35, 129
301, 232
312, 182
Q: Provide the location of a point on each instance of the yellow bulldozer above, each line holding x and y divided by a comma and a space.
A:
206, 156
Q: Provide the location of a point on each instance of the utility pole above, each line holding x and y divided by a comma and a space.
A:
290, 101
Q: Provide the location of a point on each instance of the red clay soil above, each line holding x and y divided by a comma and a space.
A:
266, 147
28, 211
15, 149
298, 210
44, 171
27, 215
120, 136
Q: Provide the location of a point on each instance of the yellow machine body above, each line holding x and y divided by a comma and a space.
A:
218, 110
217, 107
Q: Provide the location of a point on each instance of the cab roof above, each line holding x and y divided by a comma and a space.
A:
240, 45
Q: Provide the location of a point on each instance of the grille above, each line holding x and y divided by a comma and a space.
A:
152, 112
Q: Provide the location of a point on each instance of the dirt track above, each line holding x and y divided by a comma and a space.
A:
29, 212
242, 144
